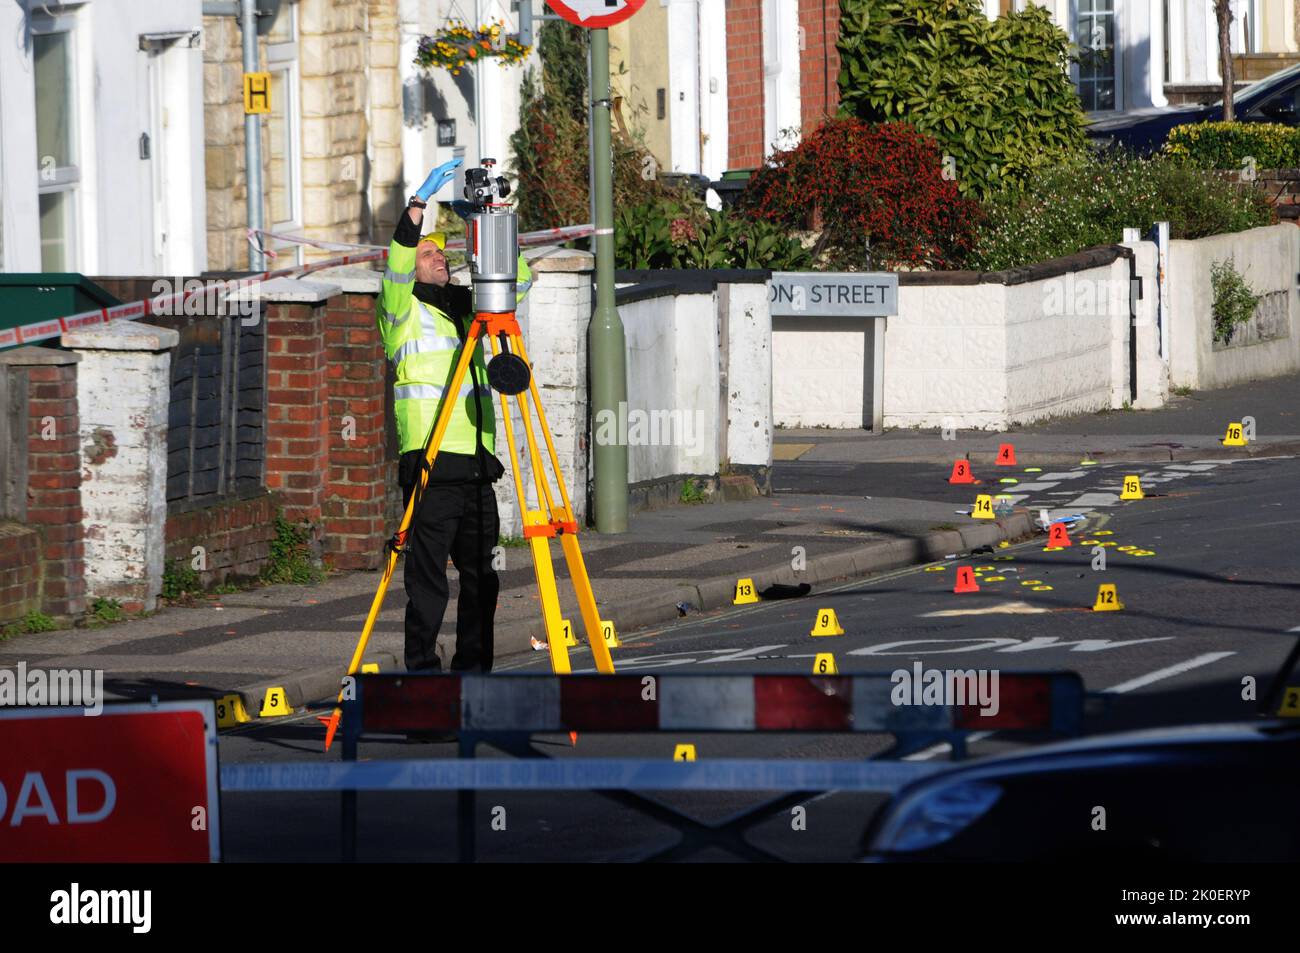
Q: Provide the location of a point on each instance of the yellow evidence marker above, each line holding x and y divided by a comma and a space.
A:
826, 623
230, 711
570, 639
609, 635
684, 753
1234, 437
824, 664
1132, 488
275, 705
1290, 703
983, 508
370, 668
1107, 599
745, 593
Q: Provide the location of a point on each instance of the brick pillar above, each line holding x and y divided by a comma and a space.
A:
297, 398
123, 395
354, 506
745, 146
53, 498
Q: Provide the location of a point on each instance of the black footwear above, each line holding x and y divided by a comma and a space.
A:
430, 737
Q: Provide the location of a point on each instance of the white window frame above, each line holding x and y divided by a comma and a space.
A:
68, 179
283, 57
1117, 8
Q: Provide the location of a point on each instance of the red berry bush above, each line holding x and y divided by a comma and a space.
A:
877, 194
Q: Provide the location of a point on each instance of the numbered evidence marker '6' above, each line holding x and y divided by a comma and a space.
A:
826, 623
824, 664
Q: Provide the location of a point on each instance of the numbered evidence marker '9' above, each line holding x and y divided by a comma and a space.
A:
826, 623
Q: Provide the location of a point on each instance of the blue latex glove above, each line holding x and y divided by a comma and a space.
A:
438, 178
462, 209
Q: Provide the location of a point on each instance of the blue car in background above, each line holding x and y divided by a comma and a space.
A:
1275, 99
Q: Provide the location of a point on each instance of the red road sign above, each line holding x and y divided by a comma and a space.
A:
123, 785
595, 14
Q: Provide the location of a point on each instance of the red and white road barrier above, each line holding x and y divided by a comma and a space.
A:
174, 303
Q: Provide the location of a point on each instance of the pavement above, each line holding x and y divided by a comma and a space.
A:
846, 506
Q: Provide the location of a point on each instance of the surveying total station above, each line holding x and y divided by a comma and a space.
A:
493, 247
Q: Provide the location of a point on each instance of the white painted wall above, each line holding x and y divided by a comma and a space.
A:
684, 84
714, 117
817, 371
1267, 259
749, 376
18, 182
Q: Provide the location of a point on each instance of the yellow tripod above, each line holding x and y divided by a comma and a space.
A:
539, 525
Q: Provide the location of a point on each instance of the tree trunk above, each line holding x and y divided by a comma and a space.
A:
1223, 13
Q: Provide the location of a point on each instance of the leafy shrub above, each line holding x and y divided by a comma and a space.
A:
996, 94
290, 559
1092, 199
682, 233
877, 184
179, 577
1234, 301
104, 611
1227, 145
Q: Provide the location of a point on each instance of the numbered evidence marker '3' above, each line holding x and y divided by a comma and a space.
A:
961, 472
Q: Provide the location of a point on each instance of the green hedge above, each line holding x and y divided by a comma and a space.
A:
1228, 145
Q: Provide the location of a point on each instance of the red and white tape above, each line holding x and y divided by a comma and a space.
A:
169, 304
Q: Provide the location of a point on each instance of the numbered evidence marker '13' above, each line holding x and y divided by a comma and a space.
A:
1132, 489
745, 593
983, 508
826, 623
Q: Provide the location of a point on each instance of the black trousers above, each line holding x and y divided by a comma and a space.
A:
456, 516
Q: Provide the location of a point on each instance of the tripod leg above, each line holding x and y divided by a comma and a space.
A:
431, 451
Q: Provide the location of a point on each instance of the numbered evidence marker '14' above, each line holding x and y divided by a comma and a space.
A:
983, 508
745, 593
1234, 437
1107, 599
1132, 489
826, 623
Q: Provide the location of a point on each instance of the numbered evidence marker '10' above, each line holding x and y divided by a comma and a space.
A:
1107, 599
966, 580
1057, 535
745, 593
275, 705
1235, 437
231, 711
826, 623
1132, 489
824, 664
570, 639
983, 508
961, 472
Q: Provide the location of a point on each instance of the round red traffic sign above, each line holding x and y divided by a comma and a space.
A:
595, 14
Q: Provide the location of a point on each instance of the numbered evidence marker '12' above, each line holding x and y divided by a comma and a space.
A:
1235, 436
745, 593
983, 508
1107, 599
961, 472
826, 623
1132, 489
824, 664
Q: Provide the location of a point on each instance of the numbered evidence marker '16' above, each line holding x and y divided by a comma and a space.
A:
983, 508
1234, 437
745, 593
1132, 489
826, 623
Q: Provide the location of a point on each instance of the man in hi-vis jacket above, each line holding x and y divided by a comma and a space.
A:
424, 320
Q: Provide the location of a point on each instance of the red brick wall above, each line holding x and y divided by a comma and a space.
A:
54, 485
20, 571
745, 146
354, 508
235, 536
819, 62
297, 421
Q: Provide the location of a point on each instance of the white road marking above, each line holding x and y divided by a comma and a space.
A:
1192, 467
1008, 608
1073, 474
1036, 487
1160, 674
742, 656
1096, 499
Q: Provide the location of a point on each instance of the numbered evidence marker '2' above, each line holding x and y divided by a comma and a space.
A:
1132, 489
1057, 535
1235, 436
983, 508
745, 593
826, 623
1107, 599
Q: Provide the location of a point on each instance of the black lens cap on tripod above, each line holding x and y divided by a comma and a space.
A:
508, 374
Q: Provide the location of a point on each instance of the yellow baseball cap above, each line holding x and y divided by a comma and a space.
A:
438, 238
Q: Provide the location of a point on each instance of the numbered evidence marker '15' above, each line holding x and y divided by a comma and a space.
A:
826, 623
745, 593
983, 508
1132, 489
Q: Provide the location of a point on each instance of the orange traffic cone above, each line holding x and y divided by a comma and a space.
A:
961, 472
1057, 536
966, 580
1006, 455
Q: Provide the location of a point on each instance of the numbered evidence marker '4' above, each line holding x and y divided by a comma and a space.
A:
745, 593
826, 623
1132, 489
1107, 599
1006, 455
983, 508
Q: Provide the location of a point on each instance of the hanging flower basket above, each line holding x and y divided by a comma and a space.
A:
457, 46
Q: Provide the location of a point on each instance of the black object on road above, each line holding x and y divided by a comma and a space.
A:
781, 591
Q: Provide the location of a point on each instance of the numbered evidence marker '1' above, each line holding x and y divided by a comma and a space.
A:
570, 639
826, 623
230, 711
824, 664
983, 508
745, 593
1107, 599
274, 705
966, 580
1132, 489
1057, 535
961, 472
1234, 437
684, 753
1006, 455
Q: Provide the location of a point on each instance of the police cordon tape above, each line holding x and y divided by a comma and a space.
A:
169, 303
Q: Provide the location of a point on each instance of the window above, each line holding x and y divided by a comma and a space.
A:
56, 148
284, 185
1095, 36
